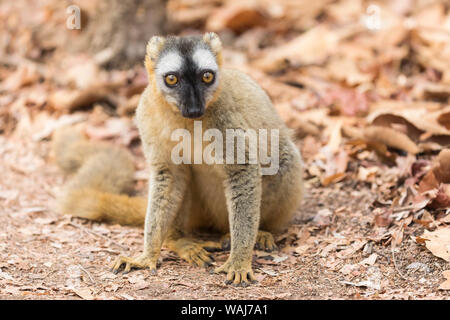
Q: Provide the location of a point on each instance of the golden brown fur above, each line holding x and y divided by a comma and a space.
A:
226, 197
102, 175
232, 198
156, 133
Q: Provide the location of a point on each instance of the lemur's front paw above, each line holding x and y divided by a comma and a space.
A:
140, 262
237, 274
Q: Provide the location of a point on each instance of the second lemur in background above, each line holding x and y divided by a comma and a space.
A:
186, 83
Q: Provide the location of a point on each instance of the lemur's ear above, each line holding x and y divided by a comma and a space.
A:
154, 47
213, 40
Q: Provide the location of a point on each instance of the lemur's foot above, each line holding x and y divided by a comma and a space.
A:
238, 274
225, 242
194, 252
264, 241
140, 262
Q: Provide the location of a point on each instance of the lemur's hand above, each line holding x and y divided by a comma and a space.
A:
238, 274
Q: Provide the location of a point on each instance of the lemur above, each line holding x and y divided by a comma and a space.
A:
187, 83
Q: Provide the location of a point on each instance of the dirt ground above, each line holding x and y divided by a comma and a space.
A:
44, 255
364, 86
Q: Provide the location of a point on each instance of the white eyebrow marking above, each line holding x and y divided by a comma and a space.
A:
204, 59
170, 62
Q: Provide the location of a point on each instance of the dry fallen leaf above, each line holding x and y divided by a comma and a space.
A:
442, 168
347, 102
323, 218
428, 182
238, 16
370, 260
438, 242
333, 178
26, 74
382, 217
384, 135
446, 284
348, 268
68, 100
302, 249
416, 118
350, 250
315, 45
85, 293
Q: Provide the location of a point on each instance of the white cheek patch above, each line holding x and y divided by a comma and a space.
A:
204, 59
170, 62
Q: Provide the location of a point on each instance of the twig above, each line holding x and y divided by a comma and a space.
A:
407, 208
395, 264
87, 272
51, 272
95, 234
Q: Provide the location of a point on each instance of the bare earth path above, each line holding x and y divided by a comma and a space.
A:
44, 255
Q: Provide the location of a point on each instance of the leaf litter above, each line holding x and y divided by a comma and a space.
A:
368, 102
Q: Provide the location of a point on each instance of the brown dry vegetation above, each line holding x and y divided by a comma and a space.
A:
364, 85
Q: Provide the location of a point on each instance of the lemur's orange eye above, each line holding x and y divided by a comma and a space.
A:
208, 77
171, 79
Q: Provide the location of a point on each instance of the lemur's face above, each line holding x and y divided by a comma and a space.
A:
187, 73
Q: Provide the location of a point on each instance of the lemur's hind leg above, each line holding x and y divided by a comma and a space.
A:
283, 192
195, 252
264, 241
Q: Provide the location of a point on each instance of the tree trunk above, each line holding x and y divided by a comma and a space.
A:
117, 31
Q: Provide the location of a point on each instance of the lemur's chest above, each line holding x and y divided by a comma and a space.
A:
208, 191
208, 178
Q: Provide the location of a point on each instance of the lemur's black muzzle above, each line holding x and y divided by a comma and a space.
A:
193, 103
194, 114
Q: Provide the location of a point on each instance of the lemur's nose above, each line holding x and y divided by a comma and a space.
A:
194, 106
196, 113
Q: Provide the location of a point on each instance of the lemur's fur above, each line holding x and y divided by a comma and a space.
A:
229, 198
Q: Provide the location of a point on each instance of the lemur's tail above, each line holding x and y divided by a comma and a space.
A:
101, 183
